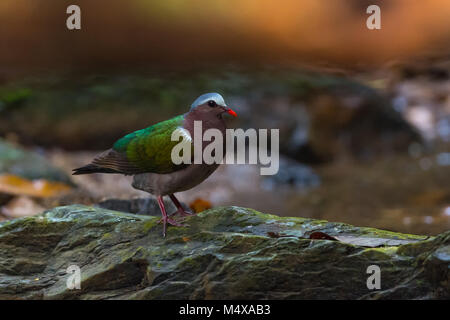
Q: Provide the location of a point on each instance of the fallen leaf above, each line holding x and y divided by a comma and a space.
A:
11, 184
321, 235
273, 234
199, 205
277, 235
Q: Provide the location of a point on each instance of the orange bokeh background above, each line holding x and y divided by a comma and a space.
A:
176, 32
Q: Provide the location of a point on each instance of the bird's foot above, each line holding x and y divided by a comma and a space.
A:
172, 222
183, 213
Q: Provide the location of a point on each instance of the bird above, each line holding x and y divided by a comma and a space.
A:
146, 155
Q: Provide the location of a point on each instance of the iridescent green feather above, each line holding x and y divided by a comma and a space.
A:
150, 148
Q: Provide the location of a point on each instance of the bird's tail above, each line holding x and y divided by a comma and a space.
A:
92, 168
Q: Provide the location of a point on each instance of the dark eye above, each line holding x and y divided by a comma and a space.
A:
211, 103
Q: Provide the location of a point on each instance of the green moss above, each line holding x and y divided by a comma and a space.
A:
149, 224
225, 253
14, 96
378, 254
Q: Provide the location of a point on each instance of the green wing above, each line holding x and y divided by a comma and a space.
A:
150, 149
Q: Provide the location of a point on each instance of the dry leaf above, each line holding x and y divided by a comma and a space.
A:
199, 205
277, 235
273, 234
11, 184
321, 235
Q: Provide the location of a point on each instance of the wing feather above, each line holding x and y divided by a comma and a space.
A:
146, 150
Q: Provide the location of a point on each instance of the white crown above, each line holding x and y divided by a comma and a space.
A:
217, 98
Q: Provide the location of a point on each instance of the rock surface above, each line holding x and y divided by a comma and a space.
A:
226, 253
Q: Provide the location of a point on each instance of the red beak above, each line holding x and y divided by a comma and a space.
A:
234, 114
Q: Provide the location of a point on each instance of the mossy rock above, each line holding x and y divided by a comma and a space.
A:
225, 253
27, 164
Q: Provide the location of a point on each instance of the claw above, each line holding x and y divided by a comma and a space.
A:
180, 209
166, 219
182, 213
172, 222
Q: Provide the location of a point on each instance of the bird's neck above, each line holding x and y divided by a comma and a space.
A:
208, 120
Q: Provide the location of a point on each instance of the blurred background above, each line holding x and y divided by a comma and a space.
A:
364, 115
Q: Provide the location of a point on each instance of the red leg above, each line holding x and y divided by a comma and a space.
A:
180, 209
165, 219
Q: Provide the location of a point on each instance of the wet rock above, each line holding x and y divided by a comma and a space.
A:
26, 164
362, 125
420, 91
226, 253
